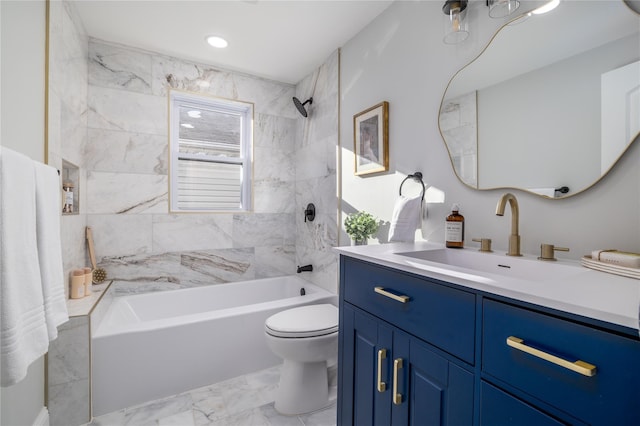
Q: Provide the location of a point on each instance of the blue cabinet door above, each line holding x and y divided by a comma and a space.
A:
434, 391
410, 385
362, 401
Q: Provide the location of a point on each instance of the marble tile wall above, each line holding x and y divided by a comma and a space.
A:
68, 374
68, 360
67, 125
137, 240
316, 181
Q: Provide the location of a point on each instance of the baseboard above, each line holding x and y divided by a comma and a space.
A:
43, 418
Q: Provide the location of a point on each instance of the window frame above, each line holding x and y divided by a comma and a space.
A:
245, 110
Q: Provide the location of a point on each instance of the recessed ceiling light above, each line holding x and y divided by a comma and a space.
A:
217, 41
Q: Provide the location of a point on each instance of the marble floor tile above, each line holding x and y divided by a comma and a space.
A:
242, 401
181, 419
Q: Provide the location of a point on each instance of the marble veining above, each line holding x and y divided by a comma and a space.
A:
186, 269
126, 152
114, 67
245, 400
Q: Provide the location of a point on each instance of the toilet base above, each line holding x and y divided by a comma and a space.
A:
303, 388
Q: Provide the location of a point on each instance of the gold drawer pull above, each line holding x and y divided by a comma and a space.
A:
399, 298
397, 366
581, 367
382, 386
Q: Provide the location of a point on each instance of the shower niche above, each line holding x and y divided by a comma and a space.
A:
70, 179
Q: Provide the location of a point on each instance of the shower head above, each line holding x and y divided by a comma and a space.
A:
300, 105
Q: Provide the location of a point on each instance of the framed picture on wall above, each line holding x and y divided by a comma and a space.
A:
371, 139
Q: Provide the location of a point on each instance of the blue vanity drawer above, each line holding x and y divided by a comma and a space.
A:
542, 352
440, 315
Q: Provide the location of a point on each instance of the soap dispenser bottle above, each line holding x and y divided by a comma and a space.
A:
454, 228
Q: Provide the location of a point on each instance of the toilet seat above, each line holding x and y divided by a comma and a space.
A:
305, 321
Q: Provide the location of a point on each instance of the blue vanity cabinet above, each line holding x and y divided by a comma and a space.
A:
590, 374
391, 376
474, 358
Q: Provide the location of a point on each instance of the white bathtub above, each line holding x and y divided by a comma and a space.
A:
155, 345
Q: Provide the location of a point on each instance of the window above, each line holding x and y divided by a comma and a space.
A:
211, 152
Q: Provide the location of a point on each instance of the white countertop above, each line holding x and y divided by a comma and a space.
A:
589, 293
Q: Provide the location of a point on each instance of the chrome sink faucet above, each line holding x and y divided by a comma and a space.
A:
514, 238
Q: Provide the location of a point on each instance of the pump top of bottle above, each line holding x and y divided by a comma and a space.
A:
455, 207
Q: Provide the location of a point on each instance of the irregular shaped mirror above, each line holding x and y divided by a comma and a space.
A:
553, 101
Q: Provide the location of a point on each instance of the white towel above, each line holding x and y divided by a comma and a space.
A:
405, 219
23, 331
48, 208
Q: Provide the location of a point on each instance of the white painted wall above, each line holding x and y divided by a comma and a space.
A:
400, 58
22, 122
23, 55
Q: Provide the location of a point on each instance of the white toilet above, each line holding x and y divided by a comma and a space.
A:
305, 338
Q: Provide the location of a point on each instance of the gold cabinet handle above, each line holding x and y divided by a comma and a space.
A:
399, 298
578, 366
382, 386
397, 366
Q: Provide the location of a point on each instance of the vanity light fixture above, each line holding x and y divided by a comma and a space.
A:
502, 8
456, 28
217, 41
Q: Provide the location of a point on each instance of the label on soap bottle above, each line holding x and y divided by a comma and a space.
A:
454, 232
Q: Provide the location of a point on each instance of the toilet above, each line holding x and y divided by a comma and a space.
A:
306, 338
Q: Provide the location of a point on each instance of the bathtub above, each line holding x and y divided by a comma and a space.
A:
155, 345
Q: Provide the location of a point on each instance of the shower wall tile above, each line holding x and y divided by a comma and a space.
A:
173, 73
260, 230
192, 232
182, 269
274, 164
114, 109
207, 267
114, 234
160, 267
127, 288
126, 152
316, 144
275, 261
274, 132
273, 197
117, 68
126, 193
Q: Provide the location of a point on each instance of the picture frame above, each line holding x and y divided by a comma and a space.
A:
371, 139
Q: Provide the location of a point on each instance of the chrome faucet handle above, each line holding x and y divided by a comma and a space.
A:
547, 251
485, 244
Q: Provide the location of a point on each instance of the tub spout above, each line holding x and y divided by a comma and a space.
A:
305, 268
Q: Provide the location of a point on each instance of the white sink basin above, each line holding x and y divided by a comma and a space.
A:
478, 263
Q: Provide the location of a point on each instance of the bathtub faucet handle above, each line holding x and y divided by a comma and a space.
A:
306, 268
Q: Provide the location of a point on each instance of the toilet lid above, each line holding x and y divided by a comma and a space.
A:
305, 321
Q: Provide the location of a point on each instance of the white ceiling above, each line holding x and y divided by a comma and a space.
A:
280, 40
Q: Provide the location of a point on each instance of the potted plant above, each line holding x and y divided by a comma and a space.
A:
360, 226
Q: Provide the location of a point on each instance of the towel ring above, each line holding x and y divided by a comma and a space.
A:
417, 176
